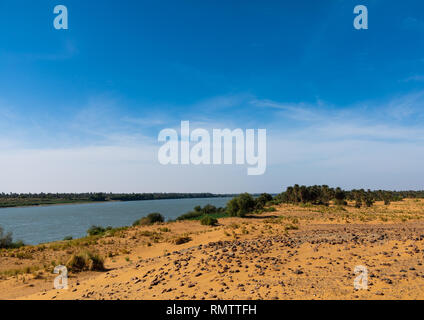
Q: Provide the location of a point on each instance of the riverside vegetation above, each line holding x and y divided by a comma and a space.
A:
36, 199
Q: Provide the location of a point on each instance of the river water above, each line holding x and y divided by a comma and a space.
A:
41, 224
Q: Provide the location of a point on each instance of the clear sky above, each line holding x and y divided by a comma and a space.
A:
81, 109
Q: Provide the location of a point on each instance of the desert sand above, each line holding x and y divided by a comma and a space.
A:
296, 252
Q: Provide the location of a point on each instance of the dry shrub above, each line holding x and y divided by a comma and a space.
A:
85, 261
181, 240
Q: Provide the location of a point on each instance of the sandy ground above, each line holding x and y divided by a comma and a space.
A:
293, 253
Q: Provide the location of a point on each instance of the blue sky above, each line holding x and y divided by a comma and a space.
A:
80, 109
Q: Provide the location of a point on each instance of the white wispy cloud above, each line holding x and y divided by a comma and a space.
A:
370, 144
391, 119
66, 50
298, 111
414, 78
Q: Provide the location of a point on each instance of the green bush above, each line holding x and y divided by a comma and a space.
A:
150, 219
190, 215
97, 230
6, 241
199, 212
241, 205
208, 221
369, 202
209, 209
262, 200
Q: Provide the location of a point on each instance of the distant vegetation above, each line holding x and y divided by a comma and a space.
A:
159, 196
302, 194
322, 195
34, 199
243, 204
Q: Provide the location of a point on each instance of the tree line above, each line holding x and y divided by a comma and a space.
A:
109, 196
322, 195
30, 199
